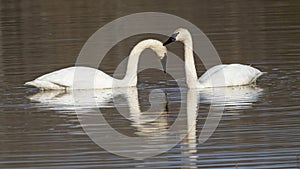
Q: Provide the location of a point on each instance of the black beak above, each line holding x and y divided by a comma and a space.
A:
170, 40
164, 63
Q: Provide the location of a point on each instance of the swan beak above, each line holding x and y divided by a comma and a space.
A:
170, 40
164, 63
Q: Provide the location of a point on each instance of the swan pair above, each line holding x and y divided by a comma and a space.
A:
218, 76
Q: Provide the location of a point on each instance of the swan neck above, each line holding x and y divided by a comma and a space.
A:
190, 69
130, 78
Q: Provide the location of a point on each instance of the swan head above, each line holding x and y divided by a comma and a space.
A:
180, 34
158, 47
161, 52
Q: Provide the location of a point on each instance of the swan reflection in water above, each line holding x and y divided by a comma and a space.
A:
151, 125
69, 100
233, 98
159, 131
221, 100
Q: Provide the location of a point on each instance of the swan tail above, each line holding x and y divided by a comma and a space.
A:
260, 74
257, 76
44, 85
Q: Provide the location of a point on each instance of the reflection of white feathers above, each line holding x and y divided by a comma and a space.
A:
153, 122
125, 100
153, 125
73, 100
233, 98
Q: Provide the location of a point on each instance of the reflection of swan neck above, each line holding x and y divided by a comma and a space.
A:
191, 110
190, 69
133, 101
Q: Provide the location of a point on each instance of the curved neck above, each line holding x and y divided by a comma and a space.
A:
189, 63
130, 78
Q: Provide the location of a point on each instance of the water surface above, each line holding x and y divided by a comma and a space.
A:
259, 127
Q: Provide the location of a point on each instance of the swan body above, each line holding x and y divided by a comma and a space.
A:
80, 77
229, 75
64, 78
218, 76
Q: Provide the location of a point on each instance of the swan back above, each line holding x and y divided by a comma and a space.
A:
229, 75
64, 79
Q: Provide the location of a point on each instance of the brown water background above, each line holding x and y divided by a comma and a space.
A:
258, 130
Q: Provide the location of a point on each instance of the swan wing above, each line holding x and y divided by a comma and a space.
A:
211, 72
230, 75
67, 77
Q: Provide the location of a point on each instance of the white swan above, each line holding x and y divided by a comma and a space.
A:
64, 78
217, 76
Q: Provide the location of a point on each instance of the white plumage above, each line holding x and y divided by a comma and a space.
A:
217, 76
229, 75
90, 78
64, 78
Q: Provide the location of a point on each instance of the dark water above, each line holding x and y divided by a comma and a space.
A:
260, 125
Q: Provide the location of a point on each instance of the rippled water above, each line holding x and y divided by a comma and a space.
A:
259, 127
